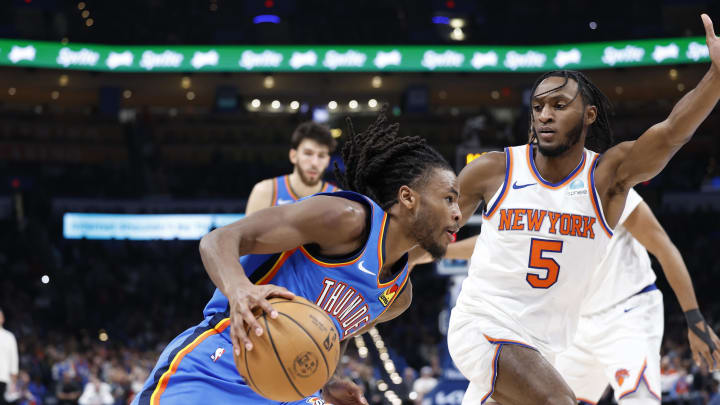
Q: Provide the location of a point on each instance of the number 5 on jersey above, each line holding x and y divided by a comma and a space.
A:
538, 261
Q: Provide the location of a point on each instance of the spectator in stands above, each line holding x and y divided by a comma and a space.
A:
96, 392
715, 393
425, 383
409, 375
68, 390
9, 363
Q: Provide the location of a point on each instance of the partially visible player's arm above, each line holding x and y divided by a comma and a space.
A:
460, 250
478, 181
652, 150
260, 197
335, 224
644, 227
340, 389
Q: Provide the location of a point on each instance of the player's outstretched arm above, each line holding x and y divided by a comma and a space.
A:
335, 224
654, 148
643, 225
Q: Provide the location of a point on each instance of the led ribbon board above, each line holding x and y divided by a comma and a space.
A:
351, 58
143, 226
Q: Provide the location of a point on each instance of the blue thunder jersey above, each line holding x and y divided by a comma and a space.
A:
197, 367
349, 289
284, 194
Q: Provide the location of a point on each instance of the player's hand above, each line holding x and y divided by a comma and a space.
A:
702, 352
343, 392
244, 304
713, 42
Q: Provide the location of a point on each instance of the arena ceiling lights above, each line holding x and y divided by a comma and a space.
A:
461, 58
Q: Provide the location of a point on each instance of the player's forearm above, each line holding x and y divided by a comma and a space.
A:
461, 250
678, 277
219, 251
692, 109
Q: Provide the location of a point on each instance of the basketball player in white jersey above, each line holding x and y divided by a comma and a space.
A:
621, 324
550, 214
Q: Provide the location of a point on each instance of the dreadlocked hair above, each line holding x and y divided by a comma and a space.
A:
378, 161
600, 135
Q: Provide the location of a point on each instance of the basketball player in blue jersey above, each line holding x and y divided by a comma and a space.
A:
312, 145
550, 213
345, 251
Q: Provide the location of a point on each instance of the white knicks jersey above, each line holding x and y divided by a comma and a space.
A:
625, 270
538, 249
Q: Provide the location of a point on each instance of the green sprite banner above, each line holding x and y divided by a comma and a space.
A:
461, 58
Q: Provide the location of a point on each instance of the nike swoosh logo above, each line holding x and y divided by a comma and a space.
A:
280, 201
363, 269
517, 187
630, 309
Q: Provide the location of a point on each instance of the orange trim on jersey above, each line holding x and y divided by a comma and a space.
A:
647, 384
381, 251
273, 201
275, 267
289, 189
163, 382
637, 383
500, 341
591, 189
355, 259
400, 288
493, 375
543, 182
325, 187
586, 400
326, 264
506, 184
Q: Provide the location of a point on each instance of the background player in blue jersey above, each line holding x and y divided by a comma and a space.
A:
346, 251
312, 145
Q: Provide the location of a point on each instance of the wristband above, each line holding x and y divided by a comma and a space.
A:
693, 317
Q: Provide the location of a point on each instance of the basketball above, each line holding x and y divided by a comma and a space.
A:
296, 354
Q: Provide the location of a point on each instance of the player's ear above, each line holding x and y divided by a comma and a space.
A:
407, 197
293, 156
590, 114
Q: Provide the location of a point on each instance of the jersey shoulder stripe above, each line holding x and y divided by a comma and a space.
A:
505, 186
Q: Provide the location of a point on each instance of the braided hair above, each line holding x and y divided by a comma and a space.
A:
600, 134
378, 161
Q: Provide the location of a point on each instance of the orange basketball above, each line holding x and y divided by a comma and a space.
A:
296, 354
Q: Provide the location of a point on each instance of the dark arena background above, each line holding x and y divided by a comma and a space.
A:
130, 129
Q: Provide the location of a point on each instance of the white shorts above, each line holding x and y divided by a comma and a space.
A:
475, 341
618, 346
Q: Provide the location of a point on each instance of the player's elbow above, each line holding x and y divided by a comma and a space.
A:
674, 133
207, 243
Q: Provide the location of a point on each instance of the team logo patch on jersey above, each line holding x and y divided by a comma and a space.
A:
577, 184
316, 401
577, 188
621, 375
218, 353
387, 296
